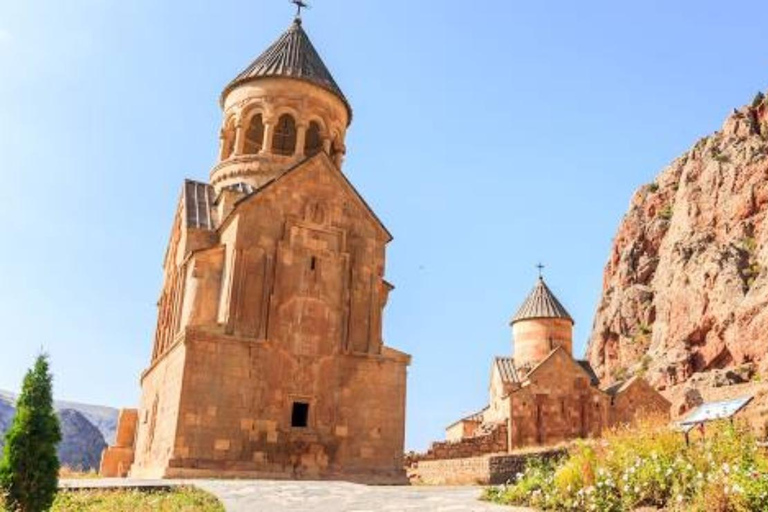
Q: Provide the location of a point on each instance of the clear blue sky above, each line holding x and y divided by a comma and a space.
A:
488, 136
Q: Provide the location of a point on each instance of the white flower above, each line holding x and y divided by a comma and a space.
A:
679, 498
726, 468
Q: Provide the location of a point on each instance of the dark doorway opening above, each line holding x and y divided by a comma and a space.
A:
300, 415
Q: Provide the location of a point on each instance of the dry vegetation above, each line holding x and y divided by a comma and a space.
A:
74, 474
649, 465
176, 500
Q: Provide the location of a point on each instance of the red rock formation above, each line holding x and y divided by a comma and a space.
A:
685, 287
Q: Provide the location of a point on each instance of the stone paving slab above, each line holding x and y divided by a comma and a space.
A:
307, 496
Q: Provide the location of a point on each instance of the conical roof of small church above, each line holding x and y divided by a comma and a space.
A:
541, 303
292, 56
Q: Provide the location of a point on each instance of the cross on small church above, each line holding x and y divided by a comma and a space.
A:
299, 6
541, 268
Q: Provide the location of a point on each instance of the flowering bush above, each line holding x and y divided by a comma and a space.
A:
649, 465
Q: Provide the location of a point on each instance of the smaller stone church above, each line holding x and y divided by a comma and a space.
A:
542, 395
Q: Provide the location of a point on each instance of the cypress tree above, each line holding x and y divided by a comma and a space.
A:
29, 469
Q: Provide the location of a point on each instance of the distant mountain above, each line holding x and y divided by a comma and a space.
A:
6, 414
86, 430
104, 418
81, 443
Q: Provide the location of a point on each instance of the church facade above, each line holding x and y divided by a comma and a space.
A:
542, 395
268, 358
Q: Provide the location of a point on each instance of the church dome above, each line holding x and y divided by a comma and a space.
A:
292, 56
541, 303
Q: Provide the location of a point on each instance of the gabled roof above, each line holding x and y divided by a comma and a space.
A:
541, 303
291, 56
621, 386
337, 172
475, 416
506, 369
560, 349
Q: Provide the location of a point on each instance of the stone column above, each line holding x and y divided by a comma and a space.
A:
239, 138
301, 138
222, 143
327, 145
266, 147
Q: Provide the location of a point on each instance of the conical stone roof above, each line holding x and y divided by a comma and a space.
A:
541, 303
291, 56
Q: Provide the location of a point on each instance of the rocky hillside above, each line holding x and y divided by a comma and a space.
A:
685, 289
86, 430
81, 444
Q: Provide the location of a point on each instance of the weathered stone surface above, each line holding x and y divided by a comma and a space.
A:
117, 459
685, 287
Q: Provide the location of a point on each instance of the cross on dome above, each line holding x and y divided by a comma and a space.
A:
299, 6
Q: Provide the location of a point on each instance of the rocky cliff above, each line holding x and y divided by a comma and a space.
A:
685, 288
81, 444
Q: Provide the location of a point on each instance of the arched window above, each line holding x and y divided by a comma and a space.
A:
228, 134
313, 143
254, 135
284, 139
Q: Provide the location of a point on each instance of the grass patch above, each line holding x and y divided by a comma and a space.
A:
665, 213
181, 499
649, 465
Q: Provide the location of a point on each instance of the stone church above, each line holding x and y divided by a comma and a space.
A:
542, 395
268, 358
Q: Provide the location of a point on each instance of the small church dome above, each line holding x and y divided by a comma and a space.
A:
541, 303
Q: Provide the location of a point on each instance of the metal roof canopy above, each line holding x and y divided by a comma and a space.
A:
712, 411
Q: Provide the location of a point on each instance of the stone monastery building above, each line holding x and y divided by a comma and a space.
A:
268, 358
543, 395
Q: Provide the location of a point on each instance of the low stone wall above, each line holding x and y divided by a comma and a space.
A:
494, 441
485, 470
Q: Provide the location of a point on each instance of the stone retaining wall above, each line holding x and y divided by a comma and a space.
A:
485, 470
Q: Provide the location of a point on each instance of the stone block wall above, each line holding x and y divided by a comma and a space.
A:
495, 441
483, 470
116, 460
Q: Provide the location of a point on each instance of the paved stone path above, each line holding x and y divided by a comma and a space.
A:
291, 496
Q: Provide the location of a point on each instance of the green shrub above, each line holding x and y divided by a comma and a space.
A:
653, 187
29, 467
758, 99
749, 244
650, 465
665, 213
